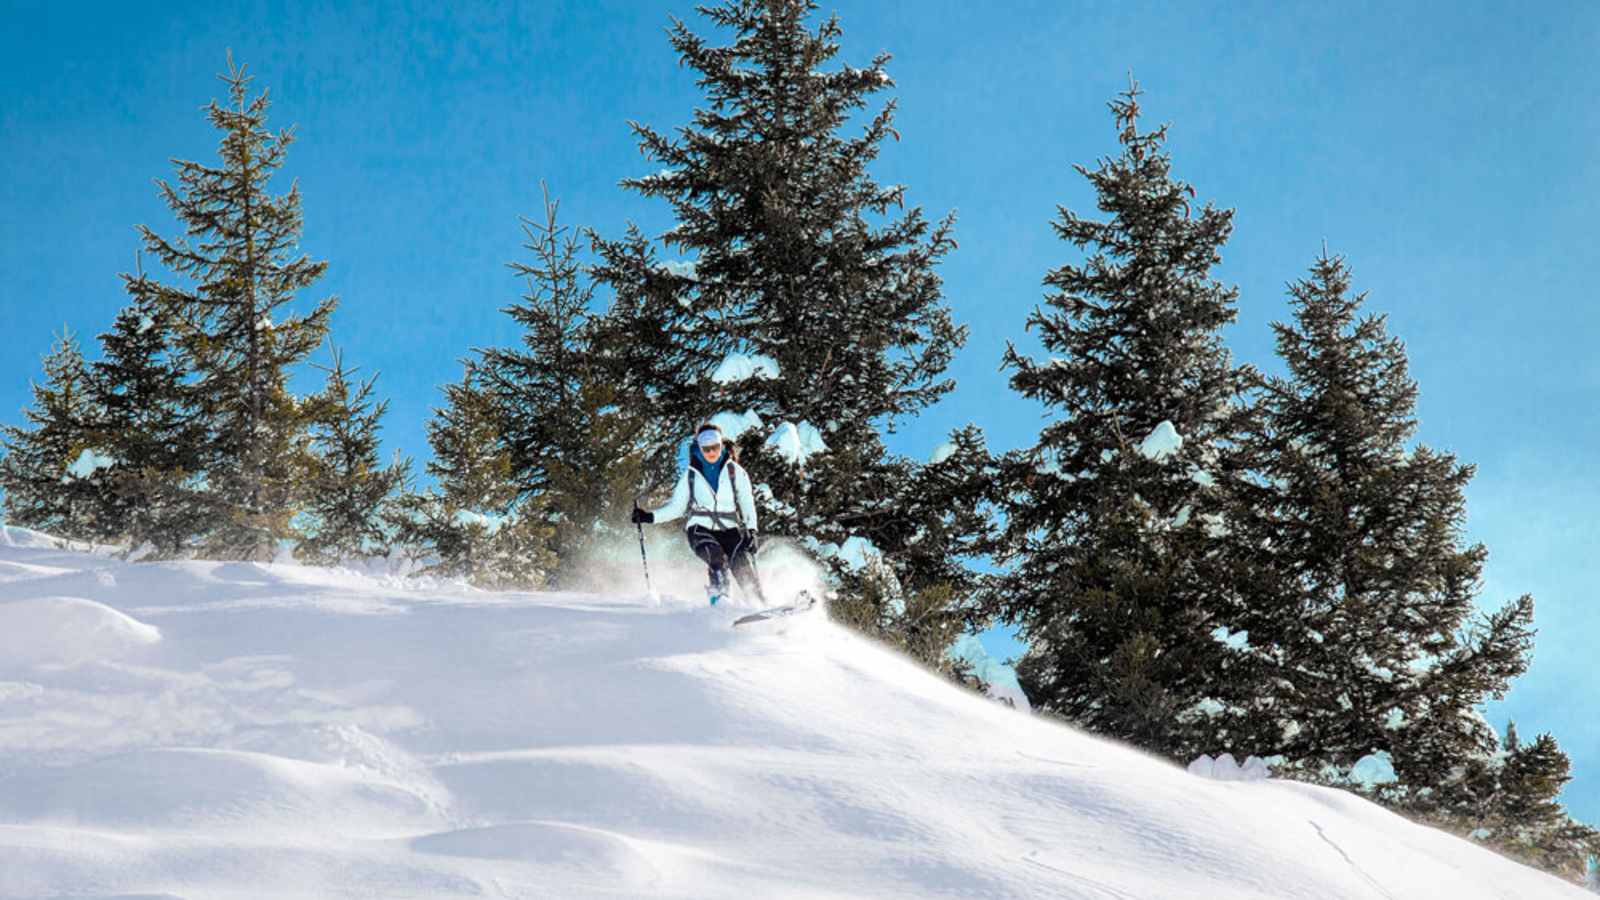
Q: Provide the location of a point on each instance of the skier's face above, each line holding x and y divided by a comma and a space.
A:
711, 453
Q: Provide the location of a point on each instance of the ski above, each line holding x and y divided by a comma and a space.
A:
801, 603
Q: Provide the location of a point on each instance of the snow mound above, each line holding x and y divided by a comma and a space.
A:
589, 854
214, 790
67, 630
1226, 768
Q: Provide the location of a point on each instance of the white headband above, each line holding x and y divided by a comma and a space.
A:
709, 438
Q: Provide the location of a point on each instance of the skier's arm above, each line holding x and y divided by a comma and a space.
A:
677, 505
746, 498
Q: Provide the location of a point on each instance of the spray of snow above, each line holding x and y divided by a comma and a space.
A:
941, 453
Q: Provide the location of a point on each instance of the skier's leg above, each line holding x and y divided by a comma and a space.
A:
706, 546
741, 564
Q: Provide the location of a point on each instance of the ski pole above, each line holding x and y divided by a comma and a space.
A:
642, 558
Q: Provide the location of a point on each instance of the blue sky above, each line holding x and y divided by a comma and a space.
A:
1448, 150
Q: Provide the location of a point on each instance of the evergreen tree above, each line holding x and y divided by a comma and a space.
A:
571, 441
46, 488
790, 251
147, 425
241, 255
1112, 573
1360, 598
349, 491
473, 524
1527, 821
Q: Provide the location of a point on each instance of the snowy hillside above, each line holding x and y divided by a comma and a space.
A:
207, 730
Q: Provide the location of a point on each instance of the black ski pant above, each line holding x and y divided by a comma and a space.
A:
726, 549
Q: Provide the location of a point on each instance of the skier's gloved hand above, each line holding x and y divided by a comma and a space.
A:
753, 542
642, 516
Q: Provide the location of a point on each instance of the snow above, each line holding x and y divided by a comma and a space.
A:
489, 523
1226, 768
67, 630
744, 366
682, 268
1000, 680
146, 323
941, 453
735, 424
88, 463
796, 443
1162, 442
201, 729
858, 552
1373, 769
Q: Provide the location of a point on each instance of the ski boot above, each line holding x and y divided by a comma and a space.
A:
718, 586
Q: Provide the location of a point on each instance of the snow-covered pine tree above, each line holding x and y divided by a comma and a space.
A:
349, 492
1360, 593
242, 266
1112, 572
474, 523
148, 427
45, 487
570, 440
789, 251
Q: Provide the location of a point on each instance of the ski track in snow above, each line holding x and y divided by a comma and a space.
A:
233, 730
1353, 864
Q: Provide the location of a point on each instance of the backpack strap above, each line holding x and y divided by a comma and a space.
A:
717, 517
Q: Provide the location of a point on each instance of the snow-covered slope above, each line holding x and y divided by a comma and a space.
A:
211, 730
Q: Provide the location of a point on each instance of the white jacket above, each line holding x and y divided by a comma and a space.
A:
731, 505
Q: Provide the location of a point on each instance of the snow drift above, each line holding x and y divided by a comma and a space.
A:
200, 730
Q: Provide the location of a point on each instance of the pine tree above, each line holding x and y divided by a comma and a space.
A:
788, 250
349, 492
1112, 572
1360, 598
241, 254
45, 487
571, 441
147, 424
473, 524
1528, 821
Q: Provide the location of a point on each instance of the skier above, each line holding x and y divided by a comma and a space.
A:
715, 494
